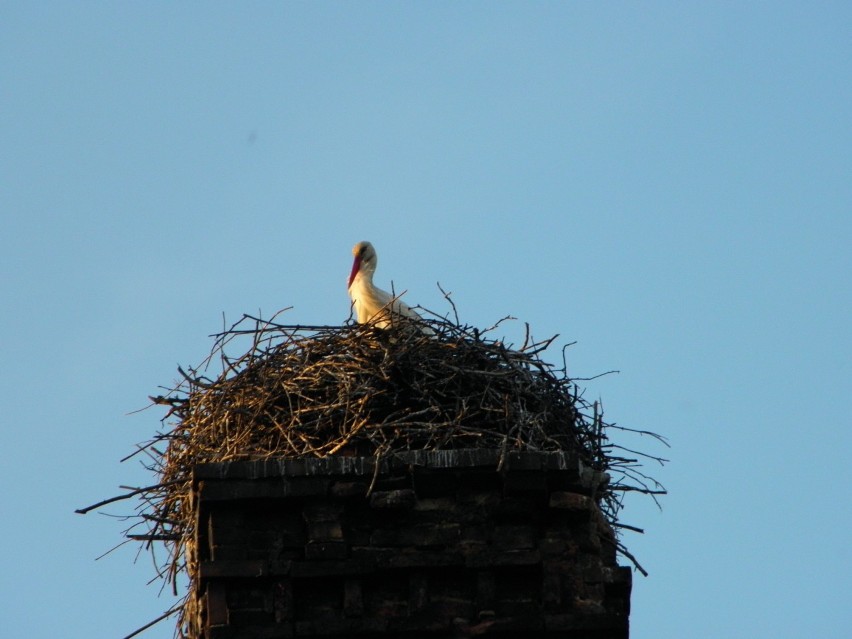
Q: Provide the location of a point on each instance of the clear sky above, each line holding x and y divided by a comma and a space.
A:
669, 184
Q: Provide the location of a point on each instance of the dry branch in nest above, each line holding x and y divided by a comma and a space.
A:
298, 391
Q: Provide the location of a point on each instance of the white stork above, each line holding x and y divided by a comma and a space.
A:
372, 304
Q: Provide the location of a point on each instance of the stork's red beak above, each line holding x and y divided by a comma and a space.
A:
356, 266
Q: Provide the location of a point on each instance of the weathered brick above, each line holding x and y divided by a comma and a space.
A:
403, 499
326, 550
418, 536
322, 510
552, 547
348, 489
282, 600
514, 509
353, 598
486, 589
522, 460
418, 595
437, 504
476, 533
488, 557
423, 559
217, 603
250, 594
238, 490
616, 625
524, 483
249, 618
226, 569
330, 625
330, 568
515, 537
227, 553
570, 501
525, 608
325, 531
435, 483
551, 588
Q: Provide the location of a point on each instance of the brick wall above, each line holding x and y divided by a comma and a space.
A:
445, 545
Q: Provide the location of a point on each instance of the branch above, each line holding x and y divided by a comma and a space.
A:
165, 615
83, 511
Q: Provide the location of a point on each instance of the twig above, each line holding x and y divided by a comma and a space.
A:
163, 616
83, 511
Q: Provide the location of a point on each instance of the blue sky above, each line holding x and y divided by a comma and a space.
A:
667, 184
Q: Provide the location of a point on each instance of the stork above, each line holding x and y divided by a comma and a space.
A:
372, 304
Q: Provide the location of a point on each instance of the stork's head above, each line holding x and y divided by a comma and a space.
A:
365, 260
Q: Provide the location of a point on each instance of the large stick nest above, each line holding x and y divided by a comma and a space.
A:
299, 391
358, 390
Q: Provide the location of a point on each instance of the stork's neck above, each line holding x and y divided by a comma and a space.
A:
365, 274
363, 280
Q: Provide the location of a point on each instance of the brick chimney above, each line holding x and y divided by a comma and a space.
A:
419, 544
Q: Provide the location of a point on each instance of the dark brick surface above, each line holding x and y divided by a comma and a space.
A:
446, 545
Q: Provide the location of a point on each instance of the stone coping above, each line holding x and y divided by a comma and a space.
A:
459, 459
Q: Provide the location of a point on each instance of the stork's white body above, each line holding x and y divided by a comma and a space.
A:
372, 304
